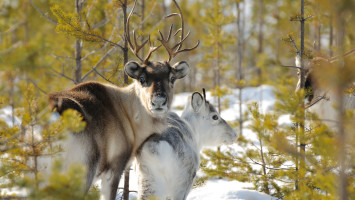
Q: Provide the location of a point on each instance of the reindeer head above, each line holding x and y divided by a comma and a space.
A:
213, 129
156, 79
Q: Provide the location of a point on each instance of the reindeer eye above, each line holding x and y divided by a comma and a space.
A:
141, 79
172, 79
215, 117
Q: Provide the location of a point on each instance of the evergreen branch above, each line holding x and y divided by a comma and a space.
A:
5, 149
294, 44
42, 13
98, 63
271, 168
93, 35
10, 138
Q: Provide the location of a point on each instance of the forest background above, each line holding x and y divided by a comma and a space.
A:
48, 46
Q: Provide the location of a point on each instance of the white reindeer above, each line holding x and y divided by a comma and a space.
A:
167, 163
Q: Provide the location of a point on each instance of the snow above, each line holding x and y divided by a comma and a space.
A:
227, 190
6, 116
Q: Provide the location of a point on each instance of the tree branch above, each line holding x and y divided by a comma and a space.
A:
294, 44
98, 63
42, 13
35, 84
14, 46
290, 66
13, 27
97, 50
62, 75
93, 35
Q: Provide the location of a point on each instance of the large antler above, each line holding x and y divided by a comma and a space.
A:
176, 49
136, 47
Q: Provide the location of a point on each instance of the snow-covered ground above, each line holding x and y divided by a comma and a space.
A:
223, 189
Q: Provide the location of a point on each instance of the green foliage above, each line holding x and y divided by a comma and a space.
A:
73, 120
71, 24
62, 186
256, 164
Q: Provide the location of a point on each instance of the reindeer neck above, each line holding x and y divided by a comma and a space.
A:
194, 124
142, 122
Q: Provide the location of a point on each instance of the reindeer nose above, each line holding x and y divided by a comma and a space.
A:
159, 100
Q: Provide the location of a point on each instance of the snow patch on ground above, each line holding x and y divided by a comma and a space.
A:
227, 190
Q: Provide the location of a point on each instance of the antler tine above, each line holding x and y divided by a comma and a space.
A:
165, 42
151, 50
182, 22
177, 31
136, 47
177, 47
180, 43
128, 37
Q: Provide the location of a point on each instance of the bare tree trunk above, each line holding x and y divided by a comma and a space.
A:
318, 28
26, 38
319, 37
125, 81
331, 35
78, 47
125, 46
126, 184
301, 125
342, 137
217, 75
239, 71
277, 33
12, 97
266, 182
261, 23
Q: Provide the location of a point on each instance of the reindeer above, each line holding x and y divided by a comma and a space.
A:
319, 100
118, 120
167, 163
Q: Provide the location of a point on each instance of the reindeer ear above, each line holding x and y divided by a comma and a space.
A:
197, 101
133, 69
181, 69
